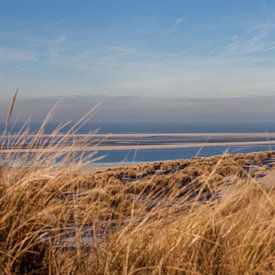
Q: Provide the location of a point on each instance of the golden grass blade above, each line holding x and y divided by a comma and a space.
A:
55, 219
10, 110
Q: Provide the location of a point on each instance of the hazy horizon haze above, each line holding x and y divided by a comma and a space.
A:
153, 56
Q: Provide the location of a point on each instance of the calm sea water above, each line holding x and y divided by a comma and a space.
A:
168, 154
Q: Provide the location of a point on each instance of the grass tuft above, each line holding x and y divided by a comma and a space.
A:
200, 216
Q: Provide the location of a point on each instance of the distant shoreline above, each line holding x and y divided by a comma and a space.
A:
144, 135
106, 148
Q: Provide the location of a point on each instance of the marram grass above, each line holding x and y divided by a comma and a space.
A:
200, 216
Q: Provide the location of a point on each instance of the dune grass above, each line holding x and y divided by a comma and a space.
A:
199, 216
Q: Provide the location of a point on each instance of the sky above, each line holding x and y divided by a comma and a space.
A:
140, 110
146, 49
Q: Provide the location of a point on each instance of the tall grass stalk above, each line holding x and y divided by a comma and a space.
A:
54, 219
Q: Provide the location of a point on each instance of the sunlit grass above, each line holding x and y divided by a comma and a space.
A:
200, 216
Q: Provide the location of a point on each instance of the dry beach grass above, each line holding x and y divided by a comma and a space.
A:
200, 216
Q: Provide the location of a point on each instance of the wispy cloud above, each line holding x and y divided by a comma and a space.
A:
26, 47
254, 40
42, 41
55, 23
51, 47
21, 69
114, 61
173, 29
10, 54
179, 21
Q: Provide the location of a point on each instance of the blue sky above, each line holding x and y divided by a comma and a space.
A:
145, 48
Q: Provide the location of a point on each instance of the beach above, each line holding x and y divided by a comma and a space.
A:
154, 141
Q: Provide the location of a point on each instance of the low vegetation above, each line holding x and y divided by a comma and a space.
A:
169, 217
200, 216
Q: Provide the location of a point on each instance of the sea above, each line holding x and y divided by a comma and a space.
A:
140, 156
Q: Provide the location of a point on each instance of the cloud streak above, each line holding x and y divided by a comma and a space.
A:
255, 40
16, 55
184, 65
178, 21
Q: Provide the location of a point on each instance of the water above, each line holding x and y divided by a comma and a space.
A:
172, 154
116, 128
106, 128
167, 154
